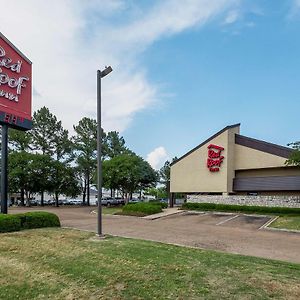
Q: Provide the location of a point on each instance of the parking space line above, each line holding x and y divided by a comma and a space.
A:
265, 225
222, 222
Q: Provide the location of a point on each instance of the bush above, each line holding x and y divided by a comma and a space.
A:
144, 208
39, 219
9, 223
242, 208
162, 204
16, 222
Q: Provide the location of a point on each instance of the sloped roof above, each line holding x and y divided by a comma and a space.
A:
206, 141
263, 146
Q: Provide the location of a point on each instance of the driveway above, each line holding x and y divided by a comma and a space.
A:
224, 232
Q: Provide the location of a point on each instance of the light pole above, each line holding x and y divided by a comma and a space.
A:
100, 75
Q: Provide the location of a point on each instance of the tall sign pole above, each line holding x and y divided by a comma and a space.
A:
15, 101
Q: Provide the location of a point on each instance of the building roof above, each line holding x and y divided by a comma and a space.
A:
206, 141
263, 146
15, 48
247, 142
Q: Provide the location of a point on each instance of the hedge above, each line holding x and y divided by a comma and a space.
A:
142, 208
162, 204
242, 208
9, 223
30, 220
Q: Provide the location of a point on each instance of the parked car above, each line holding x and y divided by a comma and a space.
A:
134, 200
108, 201
75, 202
121, 201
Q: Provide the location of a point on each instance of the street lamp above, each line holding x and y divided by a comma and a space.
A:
100, 75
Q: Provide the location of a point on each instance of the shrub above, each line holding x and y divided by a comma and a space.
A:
162, 204
16, 222
145, 208
39, 219
9, 223
242, 208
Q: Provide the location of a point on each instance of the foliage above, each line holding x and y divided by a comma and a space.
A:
242, 208
128, 172
16, 222
157, 192
162, 204
30, 172
294, 158
45, 126
19, 140
39, 219
85, 143
113, 145
142, 207
9, 223
63, 180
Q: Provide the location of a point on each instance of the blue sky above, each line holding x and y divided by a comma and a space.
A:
182, 71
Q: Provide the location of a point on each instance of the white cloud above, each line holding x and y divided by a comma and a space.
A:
67, 40
157, 157
231, 17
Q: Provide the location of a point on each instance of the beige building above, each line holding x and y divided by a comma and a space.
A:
232, 164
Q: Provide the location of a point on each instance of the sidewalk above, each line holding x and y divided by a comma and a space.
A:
165, 213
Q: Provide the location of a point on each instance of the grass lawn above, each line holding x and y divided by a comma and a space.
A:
287, 222
111, 210
69, 264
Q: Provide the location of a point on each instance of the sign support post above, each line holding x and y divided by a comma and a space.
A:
15, 103
4, 156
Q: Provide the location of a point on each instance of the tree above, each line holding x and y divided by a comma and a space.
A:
19, 140
294, 158
114, 145
128, 173
28, 173
85, 143
50, 138
164, 172
63, 180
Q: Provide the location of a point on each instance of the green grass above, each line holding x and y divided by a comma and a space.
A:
111, 210
287, 222
68, 264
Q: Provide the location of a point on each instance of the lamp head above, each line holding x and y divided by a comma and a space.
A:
106, 71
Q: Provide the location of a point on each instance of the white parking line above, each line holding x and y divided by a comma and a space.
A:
222, 222
268, 223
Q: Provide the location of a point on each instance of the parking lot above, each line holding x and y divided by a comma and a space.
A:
243, 221
232, 233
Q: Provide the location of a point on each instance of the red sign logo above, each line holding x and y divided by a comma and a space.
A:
15, 86
215, 158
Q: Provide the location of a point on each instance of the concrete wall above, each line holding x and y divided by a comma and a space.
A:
271, 201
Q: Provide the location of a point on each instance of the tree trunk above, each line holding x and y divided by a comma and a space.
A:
42, 198
22, 197
56, 199
27, 199
88, 189
84, 192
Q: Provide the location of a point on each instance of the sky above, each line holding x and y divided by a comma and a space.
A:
182, 70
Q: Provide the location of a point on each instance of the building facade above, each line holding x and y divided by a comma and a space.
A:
229, 164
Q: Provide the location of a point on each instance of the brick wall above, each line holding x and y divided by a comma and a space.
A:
279, 201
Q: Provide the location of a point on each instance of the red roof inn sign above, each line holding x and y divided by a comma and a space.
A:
15, 86
215, 158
